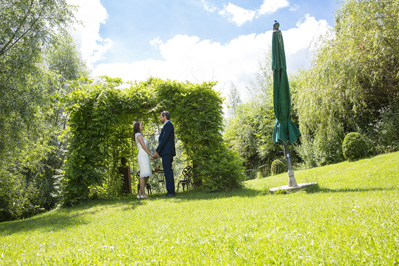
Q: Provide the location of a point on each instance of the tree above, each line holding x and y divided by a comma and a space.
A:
250, 131
352, 85
233, 99
26, 28
64, 58
27, 90
28, 24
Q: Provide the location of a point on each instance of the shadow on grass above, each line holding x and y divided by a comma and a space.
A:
199, 195
48, 223
317, 189
61, 219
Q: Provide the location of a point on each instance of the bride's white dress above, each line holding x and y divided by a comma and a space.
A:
143, 158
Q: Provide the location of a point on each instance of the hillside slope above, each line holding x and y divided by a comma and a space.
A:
351, 219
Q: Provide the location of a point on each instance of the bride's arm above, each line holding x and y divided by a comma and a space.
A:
141, 141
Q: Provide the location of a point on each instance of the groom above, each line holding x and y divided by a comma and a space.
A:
166, 149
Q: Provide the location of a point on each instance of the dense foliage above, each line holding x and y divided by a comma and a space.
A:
197, 111
250, 131
278, 166
353, 84
30, 80
100, 132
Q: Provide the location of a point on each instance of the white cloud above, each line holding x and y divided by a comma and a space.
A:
271, 6
239, 15
91, 14
294, 8
208, 7
304, 34
156, 42
188, 58
236, 14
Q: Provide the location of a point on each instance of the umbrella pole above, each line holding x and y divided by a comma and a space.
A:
291, 176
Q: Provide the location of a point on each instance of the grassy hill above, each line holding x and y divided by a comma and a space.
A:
351, 219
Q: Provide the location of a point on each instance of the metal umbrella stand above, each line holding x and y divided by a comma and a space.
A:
284, 131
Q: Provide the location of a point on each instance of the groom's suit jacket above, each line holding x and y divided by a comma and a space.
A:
167, 140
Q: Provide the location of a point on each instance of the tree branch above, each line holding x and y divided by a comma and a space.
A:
12, 43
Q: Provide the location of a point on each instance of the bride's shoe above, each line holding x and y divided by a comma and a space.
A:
139, 196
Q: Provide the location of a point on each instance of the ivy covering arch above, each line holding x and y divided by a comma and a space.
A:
100, 127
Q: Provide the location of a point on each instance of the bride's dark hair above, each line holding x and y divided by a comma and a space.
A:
136, 128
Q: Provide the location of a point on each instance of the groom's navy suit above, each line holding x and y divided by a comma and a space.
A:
166, 149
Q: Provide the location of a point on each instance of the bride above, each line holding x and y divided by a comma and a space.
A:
143, 158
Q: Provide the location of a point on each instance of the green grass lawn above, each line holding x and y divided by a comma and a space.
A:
351, 219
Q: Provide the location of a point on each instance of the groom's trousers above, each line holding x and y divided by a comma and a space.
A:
168, 172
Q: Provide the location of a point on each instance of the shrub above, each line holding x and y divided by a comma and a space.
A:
262, 171
385, 133
321, 146
306, 152
278, 166
327, 145
18, 199
354, 146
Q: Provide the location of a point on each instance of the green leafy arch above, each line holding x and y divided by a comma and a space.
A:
100, 124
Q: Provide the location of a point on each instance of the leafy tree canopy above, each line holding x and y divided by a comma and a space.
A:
352, 85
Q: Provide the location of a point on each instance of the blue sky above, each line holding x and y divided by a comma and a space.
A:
196, 40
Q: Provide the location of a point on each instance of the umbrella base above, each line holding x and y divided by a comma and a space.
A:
285, 189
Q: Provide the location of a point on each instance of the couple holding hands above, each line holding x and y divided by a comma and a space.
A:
166, 150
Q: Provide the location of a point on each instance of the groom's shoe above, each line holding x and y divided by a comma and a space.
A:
169, 195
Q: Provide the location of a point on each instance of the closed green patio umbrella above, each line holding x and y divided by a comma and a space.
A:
285, 131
